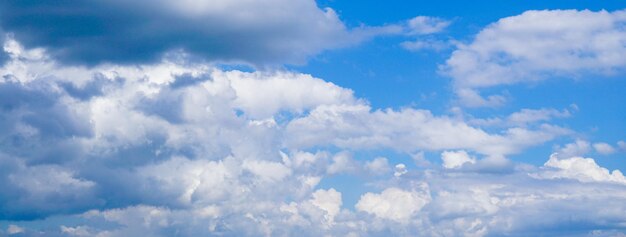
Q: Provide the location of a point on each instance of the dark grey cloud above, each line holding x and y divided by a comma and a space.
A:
258, 32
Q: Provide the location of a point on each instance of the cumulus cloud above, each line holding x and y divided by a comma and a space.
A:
227, 31
579, 168
394, 204
441, 204
456, 159
179, 148
535, 46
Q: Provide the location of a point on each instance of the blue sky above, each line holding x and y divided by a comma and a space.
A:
320, 118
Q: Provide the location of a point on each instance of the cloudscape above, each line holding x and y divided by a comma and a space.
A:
312, 118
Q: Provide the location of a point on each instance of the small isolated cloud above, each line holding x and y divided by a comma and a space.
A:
535, 46
400, 169
422, 28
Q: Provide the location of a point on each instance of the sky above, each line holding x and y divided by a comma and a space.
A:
312, 118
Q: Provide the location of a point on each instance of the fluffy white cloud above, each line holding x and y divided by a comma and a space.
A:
579, 168
456, 159
400, 170
262, 95
329, 201
394, 204
177, 148
537, 45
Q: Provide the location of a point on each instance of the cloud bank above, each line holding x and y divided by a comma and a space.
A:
189, 149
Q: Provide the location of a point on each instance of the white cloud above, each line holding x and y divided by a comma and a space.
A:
579, 168
77, 231
267, 170
329, 201
378, 166
521, 118
400, 170
171, 148
394, 204
534, 46
356, 126
262, 95
342, 163
424, 25
603, 148
456, 159
577, 148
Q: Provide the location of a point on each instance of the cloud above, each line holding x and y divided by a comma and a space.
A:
394, 204
378, 166
603, 148
407, 130
400, 169
418, 45
329, 201
94, 32
535, 46
579, 168
577, 148
452, 159
424, 25
522, 118
181, 148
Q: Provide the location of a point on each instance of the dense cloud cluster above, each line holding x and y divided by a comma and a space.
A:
181, 148
116, 120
